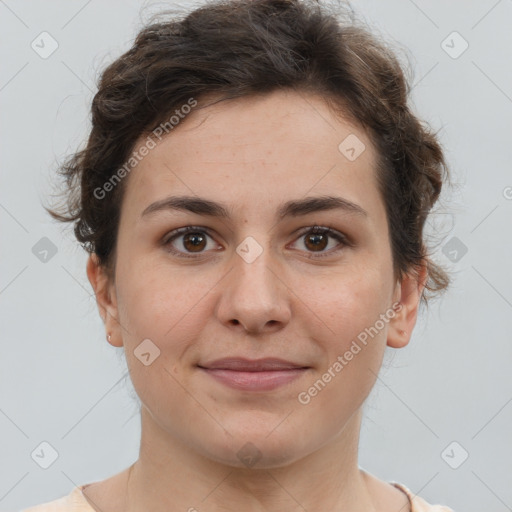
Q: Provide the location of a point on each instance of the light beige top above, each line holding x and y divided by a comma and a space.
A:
76, 502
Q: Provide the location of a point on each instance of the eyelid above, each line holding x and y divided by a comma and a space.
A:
183, 231
176, 233
324, 228
315, 229
343, 240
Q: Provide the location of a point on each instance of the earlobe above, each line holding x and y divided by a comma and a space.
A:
106, 299
398, 338
408, 293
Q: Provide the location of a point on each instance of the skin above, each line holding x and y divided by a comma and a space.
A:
252, 155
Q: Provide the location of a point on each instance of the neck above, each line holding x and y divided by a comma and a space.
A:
170, 476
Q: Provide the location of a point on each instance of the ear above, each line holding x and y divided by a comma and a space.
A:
106, 299
408, 293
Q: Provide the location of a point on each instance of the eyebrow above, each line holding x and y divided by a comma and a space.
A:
295, 208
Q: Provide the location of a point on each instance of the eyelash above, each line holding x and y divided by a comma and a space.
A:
322, 230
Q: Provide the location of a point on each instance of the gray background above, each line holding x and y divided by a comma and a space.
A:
60, 381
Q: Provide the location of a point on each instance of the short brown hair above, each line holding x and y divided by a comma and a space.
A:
236, 48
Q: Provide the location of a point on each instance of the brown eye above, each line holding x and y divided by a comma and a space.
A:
194, 242
317, 238
316, 241
187, 241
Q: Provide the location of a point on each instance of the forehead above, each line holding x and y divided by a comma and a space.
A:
258, 151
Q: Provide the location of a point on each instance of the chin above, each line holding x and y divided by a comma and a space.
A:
254, 448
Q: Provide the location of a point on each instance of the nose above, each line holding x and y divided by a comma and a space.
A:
254, 298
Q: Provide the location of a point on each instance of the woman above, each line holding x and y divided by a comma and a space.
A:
252, 196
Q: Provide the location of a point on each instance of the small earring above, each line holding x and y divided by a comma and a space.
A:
108, 337
403, 333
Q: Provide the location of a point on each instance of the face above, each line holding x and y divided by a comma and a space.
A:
255, 282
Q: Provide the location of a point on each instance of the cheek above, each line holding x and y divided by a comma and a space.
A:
355, 309
171, 308
351, 302
155, 304
353, 348
157, 300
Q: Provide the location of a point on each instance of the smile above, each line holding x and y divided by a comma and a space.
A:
254, 380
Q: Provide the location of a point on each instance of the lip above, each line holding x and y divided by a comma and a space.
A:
253, 375
243, 364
